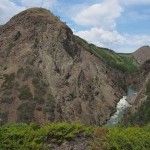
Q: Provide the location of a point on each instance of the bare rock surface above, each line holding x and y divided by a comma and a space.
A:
142, 54
45, 75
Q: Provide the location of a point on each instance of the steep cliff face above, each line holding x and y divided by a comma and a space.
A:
46, 75
139, 112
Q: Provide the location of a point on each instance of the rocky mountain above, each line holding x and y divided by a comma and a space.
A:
48, 74
142, 54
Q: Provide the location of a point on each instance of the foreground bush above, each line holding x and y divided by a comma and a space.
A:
121, 138
35, 137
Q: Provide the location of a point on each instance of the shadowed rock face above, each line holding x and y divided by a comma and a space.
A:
45, 75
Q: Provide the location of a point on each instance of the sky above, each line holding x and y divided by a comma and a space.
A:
120, 25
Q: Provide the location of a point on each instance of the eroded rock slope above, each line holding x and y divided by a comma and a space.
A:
45, 75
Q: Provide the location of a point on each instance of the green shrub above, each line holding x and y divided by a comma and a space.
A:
121, 138
7, 100
7, 92
25, 73
20, 72
50, 107
35, 137
4, 117
40, 87
35, 81
25, 112
130, 138
148, 88
25, 93
28, 72
9, 79
39, 100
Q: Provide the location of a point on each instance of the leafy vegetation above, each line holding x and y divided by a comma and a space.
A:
25, 112
25, 93
33, 136
8, 83
25, 73
123, 62
121, 138
28, 72
50, 107
40, 87
7, 100
4, 117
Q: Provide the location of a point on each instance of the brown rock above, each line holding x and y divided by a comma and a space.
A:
50, 75
142, 54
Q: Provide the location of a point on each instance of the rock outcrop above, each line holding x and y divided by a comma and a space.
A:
137, 113
142, 54
46, 75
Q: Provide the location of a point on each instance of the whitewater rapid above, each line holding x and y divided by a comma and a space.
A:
122, 105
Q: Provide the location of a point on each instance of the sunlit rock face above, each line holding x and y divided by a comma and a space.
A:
46, 75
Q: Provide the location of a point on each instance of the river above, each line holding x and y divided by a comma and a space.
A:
122, 105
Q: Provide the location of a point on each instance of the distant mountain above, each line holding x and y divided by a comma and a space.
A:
142, 54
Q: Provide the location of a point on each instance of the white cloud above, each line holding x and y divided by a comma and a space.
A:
133, 42
135, 15
101, 15
39, 3
8, 9
114, 40
130, 2
137, 40
101, 20
100, 36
